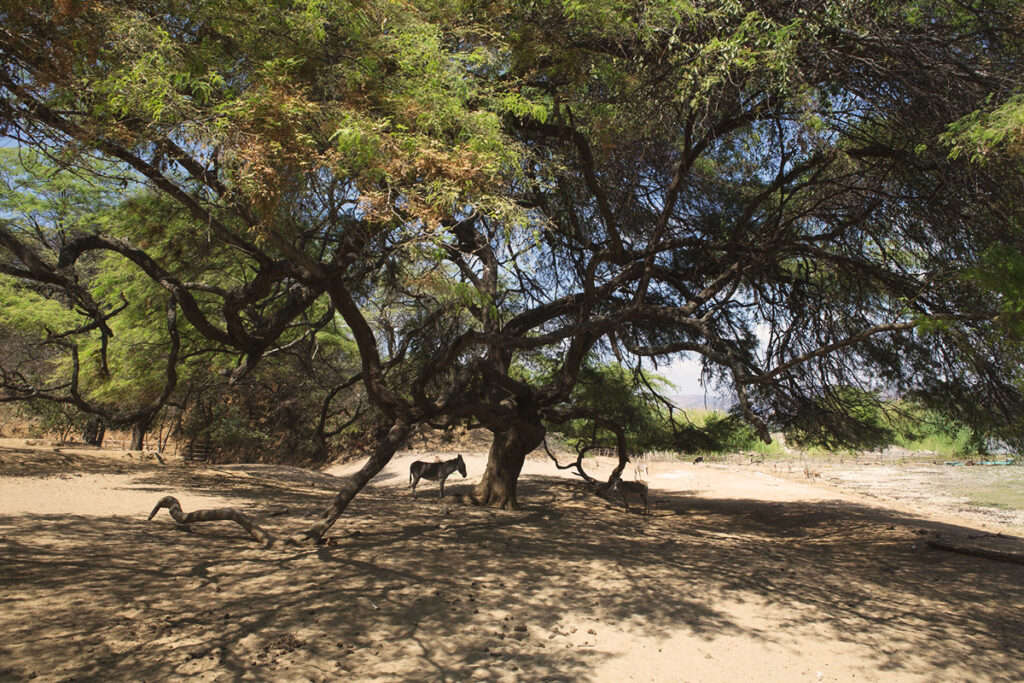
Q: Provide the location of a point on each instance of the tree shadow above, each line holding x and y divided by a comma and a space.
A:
64, 462
426, 589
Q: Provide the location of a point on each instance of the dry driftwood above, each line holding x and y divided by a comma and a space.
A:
218, 514
314, 535
944, 543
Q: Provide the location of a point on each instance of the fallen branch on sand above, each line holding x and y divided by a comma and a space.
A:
218, 514
387, 444
943, 543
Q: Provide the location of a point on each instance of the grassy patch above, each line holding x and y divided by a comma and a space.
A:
937, 442
1006, 495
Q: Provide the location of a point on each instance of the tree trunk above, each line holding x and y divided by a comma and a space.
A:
508, 451
139, 430
386, 447
94, 432
320, 450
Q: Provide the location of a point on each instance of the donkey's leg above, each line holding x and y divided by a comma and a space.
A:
441, 490
415, 481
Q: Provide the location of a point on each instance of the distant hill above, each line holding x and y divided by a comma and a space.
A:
707, 401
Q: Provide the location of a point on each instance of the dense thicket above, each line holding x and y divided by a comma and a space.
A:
490, 194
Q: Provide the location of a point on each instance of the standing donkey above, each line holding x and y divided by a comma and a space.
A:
434, 471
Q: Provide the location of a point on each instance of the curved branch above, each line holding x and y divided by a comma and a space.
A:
578, 463
353, 484
74, 397
562, 414
71, 252
218, 514
383, 398
835, 346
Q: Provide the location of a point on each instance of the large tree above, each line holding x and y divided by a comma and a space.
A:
758, 184
482, 189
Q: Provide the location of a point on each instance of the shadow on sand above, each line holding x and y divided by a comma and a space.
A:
427, 590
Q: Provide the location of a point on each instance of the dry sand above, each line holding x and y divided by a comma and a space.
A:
735, 576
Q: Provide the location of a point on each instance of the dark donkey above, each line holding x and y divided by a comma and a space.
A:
434, 471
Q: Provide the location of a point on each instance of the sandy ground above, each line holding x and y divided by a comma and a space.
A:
736, 575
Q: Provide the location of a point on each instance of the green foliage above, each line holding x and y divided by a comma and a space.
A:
879, 423
29, 313
627, 157
869, 423
1001, 270
51, 206
985, 132
615, 392
728, 433
845, 417
37, 197
623, 396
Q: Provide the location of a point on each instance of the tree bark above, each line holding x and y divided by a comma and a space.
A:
508, 451
936, 540
139, 430
386, 447
566, 413
94, 432
225, 514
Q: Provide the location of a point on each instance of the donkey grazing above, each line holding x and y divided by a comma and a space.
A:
434, 471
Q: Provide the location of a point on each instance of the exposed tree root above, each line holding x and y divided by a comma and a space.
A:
565, 413
492, 500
